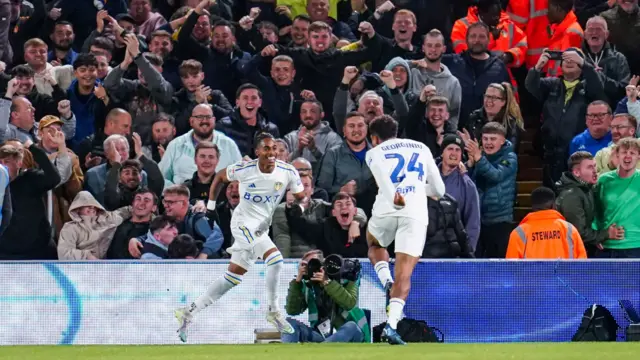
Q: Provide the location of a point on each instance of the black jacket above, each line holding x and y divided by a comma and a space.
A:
478, 119
45, 104
560, 121
184, 102
474, 83
222, 71
119, 247
576, 202
327, 235
389, 49
322, 73
28, 236
197, 189
282, 103
116, 195
420, 129
235, 127
446, 236
615, 74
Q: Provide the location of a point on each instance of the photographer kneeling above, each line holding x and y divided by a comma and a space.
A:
329, 290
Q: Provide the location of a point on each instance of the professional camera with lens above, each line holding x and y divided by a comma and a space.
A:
335, 267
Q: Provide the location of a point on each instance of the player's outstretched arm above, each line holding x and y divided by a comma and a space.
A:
216, 186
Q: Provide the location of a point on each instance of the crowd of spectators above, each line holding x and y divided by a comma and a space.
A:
116, 115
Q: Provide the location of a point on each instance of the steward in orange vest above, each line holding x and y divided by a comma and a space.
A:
544, 233
531, 17
564, 30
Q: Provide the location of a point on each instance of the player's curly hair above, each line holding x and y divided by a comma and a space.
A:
384, 126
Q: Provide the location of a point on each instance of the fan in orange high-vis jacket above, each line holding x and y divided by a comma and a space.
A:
544, 233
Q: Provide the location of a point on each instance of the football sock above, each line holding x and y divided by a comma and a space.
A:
215, 291
273, 264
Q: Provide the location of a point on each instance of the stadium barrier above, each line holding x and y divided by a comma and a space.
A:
469, 301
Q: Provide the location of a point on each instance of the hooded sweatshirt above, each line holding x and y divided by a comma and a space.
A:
464, 191
324, 138
446, 85
84, 236
398, 61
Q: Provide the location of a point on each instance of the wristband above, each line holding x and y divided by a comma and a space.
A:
211, 205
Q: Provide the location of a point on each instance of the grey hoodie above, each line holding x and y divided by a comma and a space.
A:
446, 85
325, 139
405, 64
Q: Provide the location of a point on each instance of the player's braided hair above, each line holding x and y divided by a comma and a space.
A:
260, 137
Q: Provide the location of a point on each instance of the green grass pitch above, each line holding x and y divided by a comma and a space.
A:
519, 351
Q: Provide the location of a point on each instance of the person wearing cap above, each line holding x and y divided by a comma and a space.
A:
564, 106
460, 186
68, 166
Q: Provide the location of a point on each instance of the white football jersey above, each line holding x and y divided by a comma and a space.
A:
261, 193
407, 167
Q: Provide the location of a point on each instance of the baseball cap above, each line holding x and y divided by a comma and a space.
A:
47, 121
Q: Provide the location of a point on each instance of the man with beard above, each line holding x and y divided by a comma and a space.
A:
222, 60
475, 69
163, 131
23, 84
321, 66
610, 64
433, 125
144, 97
160, 43
314, 137
193, 92
617, 204
621, 18
125, 177
597, 136
206, 159
146, 20
62, 38
343, 167
178, 163
507, 40
576, 200
404, 26
282, 95
430, 71
246, 121
460, 186
145, 204
622, 126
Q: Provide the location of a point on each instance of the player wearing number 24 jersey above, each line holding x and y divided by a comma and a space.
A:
406, 174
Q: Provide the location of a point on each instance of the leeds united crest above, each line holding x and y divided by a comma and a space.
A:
278, 186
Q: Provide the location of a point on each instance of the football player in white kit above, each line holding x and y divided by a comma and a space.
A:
263, 183
400, 212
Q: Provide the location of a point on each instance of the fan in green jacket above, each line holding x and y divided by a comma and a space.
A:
344, 322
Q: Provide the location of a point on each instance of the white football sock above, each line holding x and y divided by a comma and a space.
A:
395, 312
273, 264
215, 291
384, 274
